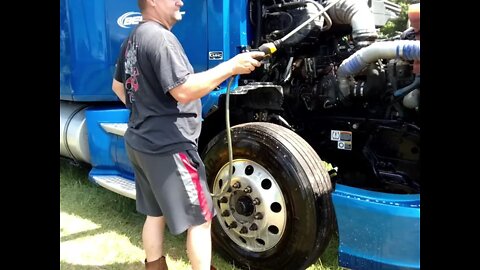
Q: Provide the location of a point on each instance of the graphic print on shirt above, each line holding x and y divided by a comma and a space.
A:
131, 83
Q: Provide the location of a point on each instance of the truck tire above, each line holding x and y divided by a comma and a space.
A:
278, 211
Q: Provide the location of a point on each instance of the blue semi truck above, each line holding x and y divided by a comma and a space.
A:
325, 135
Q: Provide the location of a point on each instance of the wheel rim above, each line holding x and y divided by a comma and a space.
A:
252, 212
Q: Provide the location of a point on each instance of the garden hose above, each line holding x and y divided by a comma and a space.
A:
225, 186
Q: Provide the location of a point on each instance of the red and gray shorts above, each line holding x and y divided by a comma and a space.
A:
173, 186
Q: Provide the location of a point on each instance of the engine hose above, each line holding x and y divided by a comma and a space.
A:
407, 89
225, 186
271, 47
331, 4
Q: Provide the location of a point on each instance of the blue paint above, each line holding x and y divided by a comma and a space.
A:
377, 230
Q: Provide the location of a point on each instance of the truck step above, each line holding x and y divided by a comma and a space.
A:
115, 128
117, 184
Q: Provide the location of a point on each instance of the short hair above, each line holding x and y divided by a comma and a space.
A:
141, 4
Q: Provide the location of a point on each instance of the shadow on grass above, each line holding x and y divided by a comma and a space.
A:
108, 210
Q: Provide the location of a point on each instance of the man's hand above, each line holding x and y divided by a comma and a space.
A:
119, 90
246, 62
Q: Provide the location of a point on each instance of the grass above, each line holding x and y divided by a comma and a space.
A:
100, 229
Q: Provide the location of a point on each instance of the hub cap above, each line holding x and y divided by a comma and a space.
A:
252, 212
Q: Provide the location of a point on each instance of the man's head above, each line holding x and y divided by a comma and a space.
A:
166, 12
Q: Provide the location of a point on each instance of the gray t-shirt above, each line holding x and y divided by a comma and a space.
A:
152, 62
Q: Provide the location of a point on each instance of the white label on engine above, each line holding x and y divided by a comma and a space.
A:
344, 145
335, 135
340, 135
343, 139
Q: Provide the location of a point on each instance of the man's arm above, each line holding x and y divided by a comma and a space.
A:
119, 90
199, 84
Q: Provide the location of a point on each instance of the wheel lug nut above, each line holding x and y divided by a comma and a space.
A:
248, 189
223, 199
225, 213
256, 201
243, 230
236, 185
258, 216
233, 225
253, 227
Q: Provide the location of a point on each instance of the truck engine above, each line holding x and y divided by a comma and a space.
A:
354, 97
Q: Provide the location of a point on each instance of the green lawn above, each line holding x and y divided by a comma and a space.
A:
101, 230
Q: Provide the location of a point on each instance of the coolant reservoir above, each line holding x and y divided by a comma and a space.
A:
414, 17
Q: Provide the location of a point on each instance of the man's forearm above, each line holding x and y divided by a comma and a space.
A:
200, 84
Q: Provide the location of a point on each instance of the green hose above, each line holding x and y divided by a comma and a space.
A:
225, 187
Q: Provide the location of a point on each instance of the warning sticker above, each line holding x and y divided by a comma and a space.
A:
339, 135
344, 145
343, 138
335, 135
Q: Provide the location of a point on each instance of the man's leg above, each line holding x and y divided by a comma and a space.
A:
199, 246
152, 236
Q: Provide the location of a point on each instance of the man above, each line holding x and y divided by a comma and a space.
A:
155, 80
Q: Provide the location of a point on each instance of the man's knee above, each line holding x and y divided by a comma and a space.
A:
201, 228
158, 220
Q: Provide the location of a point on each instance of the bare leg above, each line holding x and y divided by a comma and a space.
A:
199, 246
152, 236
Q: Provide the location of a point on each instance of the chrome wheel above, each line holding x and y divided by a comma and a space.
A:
252, 212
